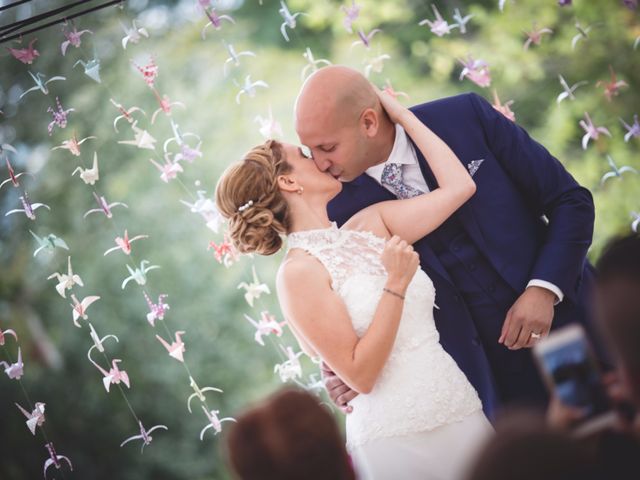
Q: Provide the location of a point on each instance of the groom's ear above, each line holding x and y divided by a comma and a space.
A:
370, 122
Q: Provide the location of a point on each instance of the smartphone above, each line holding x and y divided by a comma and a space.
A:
570, 369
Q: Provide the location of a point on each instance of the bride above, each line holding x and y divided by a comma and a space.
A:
355, 297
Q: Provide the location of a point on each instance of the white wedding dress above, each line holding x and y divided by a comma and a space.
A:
423, 419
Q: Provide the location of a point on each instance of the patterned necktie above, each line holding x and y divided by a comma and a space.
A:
392, 177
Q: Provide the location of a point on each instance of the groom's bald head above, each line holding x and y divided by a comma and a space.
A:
338, 116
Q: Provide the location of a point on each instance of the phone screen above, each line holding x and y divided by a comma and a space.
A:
575, 376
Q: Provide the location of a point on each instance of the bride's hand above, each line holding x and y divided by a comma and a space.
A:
394, 109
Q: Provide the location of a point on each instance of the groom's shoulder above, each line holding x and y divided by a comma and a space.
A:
445, 104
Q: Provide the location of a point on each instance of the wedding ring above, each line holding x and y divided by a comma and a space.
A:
535, 335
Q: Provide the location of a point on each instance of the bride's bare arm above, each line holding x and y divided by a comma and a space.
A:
414, 218
318, 314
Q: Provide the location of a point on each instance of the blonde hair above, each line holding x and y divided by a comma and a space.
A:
257, 226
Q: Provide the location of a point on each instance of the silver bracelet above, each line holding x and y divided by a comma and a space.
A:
385, 289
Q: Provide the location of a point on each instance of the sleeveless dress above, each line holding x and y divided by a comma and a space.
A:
423, 419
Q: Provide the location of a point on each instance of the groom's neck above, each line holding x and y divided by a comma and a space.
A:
383, 142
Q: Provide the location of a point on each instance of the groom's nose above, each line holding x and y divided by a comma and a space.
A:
322, 163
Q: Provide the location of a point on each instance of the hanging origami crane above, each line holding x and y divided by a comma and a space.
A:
41, 85
612, 88
126, 114
13, 178
592, 132
104, 207
249, 87
114, 376
503, 109
234, 58
186, 152
145, 435
54, 459
439, 26
461, 21
215, 20
265, 326
8, 331
535, 36
583, 33
34, 419
289, 19
48, 243
165, 105
351, 14
25, 55
27, 208
568, 90
199, 392
66, 281
269, 127
375, 64
169, 170
72, 37
312, 63
149, 71
139, 274
142, 138
476, 70
214, 422
636, 221
365, 40
14, 370
89, 175
59, 116
207, 208
616, 172
91, 69
156, 310
80, 308
176, 349
97, 341
254, 289
632, 130
225, 253
73, 145
133, 34
124, 243
291, 368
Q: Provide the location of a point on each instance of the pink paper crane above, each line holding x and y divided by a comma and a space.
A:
59, 116
149, 71
124, 243
165, 105
265, 326
80, 308
156, 310
13, 178
439, 26
8, 331
291, 368
214, 422
25, 55
72, 37
176, 349
54, 459
365, 40
477, 71
168, 170
503, 109
104, 206
592, 132
34, 419
612, 88
114, 375
73, 145
535, 36
145, 435
269, 127
28, 208
225, 253
351, 14
14, 370
215, 20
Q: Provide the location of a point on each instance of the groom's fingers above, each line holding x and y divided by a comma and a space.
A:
505, 327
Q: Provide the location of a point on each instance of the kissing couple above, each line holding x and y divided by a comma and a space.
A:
427, 250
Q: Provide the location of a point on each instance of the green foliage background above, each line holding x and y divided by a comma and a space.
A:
84, 422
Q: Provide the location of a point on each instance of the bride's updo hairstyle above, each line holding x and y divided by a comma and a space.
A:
248, 195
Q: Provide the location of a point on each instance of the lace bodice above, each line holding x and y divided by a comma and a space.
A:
420, 386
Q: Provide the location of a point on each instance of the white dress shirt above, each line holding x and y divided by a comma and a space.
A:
404, 154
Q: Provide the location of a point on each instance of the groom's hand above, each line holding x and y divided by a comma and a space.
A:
339, 393
532, 313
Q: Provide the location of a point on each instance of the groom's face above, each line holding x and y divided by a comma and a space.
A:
336, 143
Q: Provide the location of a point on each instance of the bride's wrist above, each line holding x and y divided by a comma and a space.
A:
396, 286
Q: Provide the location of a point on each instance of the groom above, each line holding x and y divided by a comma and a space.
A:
507, 267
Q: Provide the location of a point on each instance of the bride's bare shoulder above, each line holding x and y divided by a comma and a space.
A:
299, 266
369, 220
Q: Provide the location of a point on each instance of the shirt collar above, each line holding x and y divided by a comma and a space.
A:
401, 153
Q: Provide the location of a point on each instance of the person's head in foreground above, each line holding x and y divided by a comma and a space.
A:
289, 436
618, 304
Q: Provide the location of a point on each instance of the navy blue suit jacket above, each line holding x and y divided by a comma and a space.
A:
518, 182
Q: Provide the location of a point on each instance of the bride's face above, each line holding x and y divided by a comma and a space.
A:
307, 175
